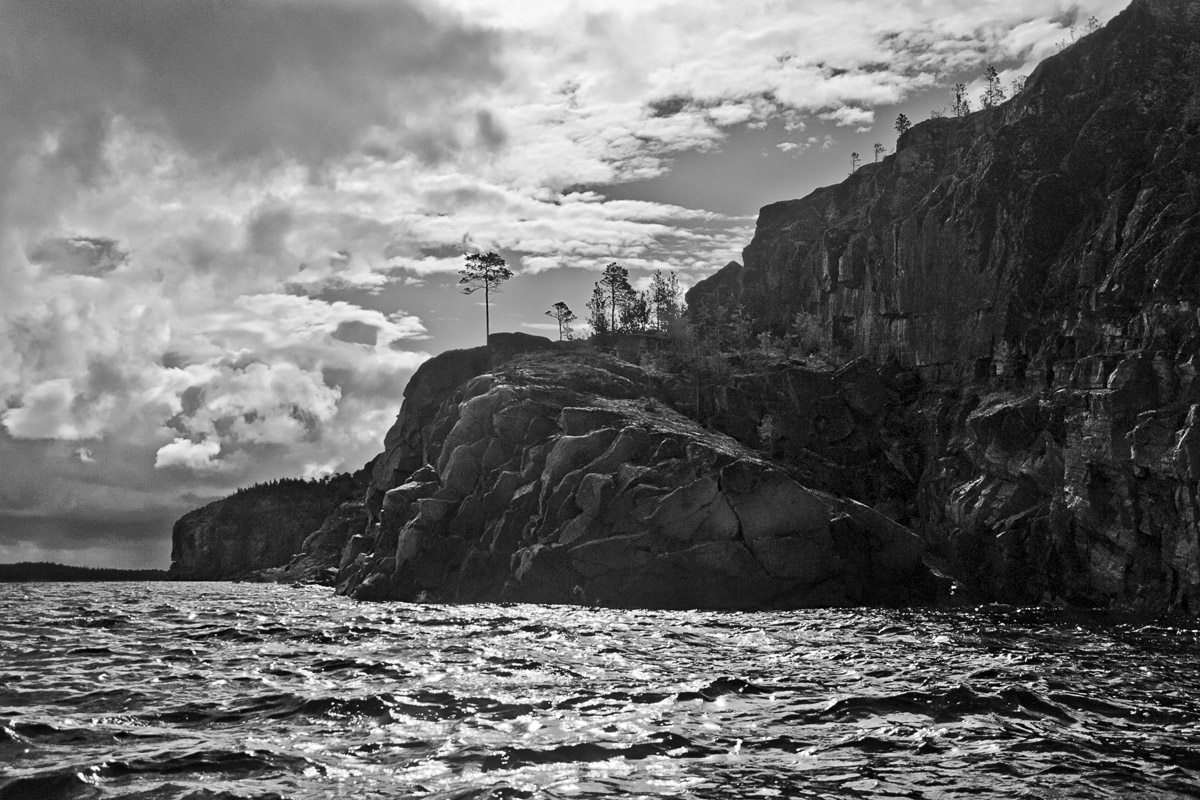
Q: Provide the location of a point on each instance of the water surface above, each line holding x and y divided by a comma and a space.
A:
219, 691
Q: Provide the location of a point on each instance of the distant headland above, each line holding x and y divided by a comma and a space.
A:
45, 571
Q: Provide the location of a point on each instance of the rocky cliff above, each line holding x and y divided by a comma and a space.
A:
1014, 297
269, 528
1036, 264
567, 477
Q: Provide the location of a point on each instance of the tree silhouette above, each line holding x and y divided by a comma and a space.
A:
664, 299
598, 310
484, 271
902, 124
962, 103
853, 162
564, 315
993, 93
635, 312
617, 291
879, 150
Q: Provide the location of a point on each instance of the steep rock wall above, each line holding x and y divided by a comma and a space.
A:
1058, 225
1038, 265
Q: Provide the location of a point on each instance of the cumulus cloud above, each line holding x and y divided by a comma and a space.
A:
848, 116
197, 456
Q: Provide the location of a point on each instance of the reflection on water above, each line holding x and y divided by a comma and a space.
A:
205, 691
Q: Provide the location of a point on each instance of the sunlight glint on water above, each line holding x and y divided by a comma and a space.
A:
248, 691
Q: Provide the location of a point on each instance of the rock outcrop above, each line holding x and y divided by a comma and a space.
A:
1036, 264
568, 478
267, 528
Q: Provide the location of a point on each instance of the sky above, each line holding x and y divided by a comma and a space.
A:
230, 230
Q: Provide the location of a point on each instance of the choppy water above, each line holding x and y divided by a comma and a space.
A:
206, 691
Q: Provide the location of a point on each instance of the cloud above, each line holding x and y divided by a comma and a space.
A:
238, 80
80, 255
848, 116
47, 414
197, 456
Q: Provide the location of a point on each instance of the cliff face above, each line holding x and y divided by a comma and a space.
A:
1036, 264
569, 478
262, 528
1058, 225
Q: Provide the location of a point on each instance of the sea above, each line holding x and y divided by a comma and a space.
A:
218, 691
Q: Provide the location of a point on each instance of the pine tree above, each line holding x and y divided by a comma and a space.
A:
565, 316
962, 103
902, 124
618, 292
635, 312
993, 93
484, 271
598, 311
665, 301
879, 150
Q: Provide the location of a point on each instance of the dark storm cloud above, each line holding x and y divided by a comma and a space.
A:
231, 78
59, 507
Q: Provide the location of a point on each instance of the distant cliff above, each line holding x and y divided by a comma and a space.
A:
259, 528
1037, 264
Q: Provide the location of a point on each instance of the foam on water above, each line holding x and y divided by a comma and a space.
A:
221, 691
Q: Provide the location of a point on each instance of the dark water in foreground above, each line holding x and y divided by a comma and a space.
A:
248, 691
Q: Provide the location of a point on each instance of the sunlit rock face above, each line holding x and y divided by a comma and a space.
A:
1037, 265
569, 478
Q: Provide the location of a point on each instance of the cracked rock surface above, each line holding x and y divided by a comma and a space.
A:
566, 477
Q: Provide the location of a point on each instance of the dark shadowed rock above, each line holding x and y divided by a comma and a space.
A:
564, 478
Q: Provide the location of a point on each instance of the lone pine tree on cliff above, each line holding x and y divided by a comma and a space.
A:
484, 271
